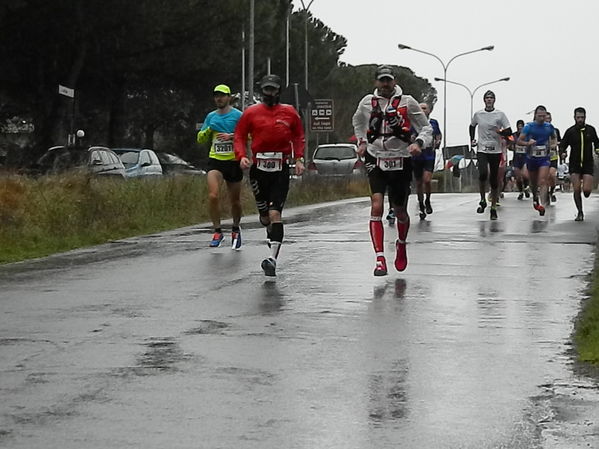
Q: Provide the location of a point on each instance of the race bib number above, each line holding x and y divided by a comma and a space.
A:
489, 149
553, 152
520, 149
389, 161
223, 147
539, 151
269, 162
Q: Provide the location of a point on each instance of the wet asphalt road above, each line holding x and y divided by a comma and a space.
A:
161, 342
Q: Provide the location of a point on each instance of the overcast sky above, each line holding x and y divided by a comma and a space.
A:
548, 48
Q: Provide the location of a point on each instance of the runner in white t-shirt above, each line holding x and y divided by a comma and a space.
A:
492, 124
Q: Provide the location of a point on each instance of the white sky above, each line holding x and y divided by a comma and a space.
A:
548, 48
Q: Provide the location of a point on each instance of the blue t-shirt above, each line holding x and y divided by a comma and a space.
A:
219, 123
222, 123
539, 132
429, 153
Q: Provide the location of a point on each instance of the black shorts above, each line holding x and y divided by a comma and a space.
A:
419, 166
270, 188
586, 168
553, 163
230, 169
397, 182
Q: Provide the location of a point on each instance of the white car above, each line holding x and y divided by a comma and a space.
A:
336, 159
139, 162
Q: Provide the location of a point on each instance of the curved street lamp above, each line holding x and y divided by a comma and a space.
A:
472, 92
445, 66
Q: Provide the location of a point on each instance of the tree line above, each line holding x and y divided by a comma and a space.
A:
143, 71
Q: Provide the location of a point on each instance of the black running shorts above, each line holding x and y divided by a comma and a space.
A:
270, 188
397, 182
230, 169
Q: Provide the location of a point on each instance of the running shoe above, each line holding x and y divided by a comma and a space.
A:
481, 207
269, 266
217, 238
539, 208
381, 266
521, 195
553, 198
401, 256
527, 192
429, 208
391, 217
501, 195
236, 239
422, 211
493, 213
580, 216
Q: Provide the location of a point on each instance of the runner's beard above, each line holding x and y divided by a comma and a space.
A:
271, 100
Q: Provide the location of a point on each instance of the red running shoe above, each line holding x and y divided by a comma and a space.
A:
381, 266
401, 257
539, 208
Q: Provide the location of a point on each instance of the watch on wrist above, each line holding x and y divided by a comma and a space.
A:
299, 159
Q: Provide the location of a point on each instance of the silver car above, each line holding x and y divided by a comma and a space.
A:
336, 159
139, 162
96, 160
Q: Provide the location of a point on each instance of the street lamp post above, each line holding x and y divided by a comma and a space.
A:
445, 66
472, 92
306, 8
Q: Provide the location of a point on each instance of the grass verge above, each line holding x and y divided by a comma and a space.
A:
586, 335
52, 214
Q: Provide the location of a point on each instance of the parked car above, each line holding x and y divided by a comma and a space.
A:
97, 160
139, 162
336, 159
174, 165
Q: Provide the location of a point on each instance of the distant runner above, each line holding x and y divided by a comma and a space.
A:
582, 140
492, 124
553, 162
519, 163
217, 130
424, 164
382, 123
277, 137
538, 137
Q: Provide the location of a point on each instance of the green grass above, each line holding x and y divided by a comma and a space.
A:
586, 334
52, 214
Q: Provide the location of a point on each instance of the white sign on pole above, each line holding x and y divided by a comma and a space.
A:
66, 91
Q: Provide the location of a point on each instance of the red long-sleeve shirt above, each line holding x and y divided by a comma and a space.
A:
271, 128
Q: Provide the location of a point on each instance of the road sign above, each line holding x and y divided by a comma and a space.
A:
66, 91
322, 116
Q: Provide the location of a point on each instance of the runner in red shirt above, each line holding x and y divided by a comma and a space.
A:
277, 138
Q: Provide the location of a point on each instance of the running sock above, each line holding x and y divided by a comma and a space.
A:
520, 186
377, 234
235, 228
402, 229
276, 239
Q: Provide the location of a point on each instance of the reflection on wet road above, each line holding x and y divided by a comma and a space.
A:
162, 342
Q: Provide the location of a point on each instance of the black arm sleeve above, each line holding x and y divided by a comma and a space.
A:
471, 130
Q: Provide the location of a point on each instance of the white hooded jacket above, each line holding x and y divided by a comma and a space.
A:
409, 114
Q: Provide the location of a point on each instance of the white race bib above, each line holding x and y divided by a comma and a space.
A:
539, 151
553, 152
269, 162
223, 147
489, 149
389, 161
520, 149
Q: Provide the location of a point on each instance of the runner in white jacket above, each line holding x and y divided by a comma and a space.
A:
382, 124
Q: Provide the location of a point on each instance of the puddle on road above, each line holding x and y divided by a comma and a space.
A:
208, 327
160, 356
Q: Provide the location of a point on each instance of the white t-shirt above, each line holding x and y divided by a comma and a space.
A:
489, 141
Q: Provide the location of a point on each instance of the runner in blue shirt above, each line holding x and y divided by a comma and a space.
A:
538, 136
423, 166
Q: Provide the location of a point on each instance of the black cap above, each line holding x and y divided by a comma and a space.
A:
489, 93
384, 71
270, 81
